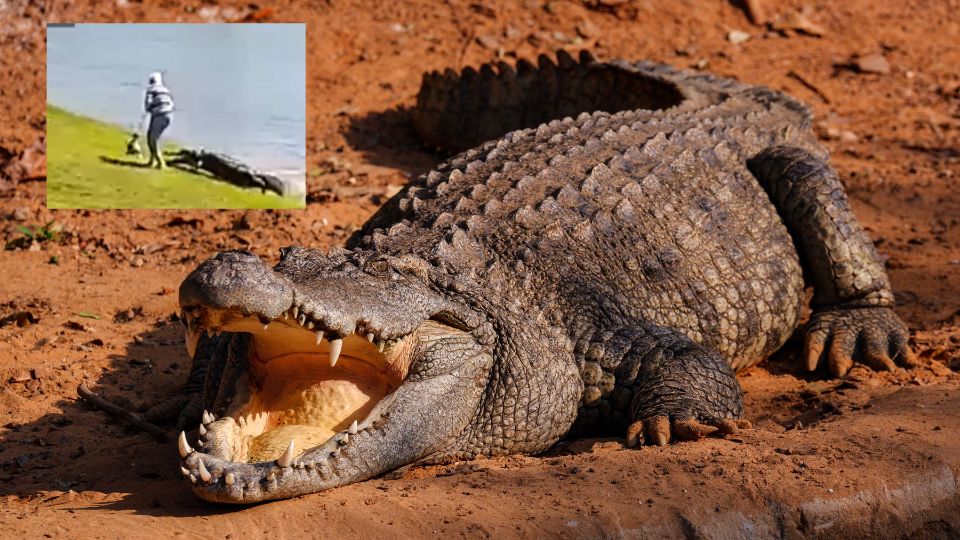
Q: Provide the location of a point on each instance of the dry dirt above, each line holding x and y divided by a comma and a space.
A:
873, 454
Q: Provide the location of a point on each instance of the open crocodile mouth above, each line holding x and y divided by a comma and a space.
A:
298, 387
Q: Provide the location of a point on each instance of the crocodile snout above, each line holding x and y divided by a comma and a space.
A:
237, 280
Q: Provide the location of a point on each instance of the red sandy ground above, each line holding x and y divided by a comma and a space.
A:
873, 453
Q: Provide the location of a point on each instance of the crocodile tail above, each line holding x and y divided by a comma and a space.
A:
457, 111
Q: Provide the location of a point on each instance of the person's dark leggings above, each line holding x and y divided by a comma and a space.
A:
158, 124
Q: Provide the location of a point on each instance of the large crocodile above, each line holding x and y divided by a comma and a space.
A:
618, 240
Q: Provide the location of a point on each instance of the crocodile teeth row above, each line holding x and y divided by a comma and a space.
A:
206, 474
304, 319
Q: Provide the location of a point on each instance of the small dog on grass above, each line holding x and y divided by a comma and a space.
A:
133, 146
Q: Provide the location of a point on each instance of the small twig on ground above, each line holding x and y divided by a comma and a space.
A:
935, 128
809, 85
755, 11
115, 410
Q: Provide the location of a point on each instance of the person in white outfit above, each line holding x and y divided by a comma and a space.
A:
158, 105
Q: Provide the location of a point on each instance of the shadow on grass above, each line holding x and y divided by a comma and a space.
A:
123, 163
171, 162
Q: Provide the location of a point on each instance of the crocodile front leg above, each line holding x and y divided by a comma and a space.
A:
672, 387
853, 319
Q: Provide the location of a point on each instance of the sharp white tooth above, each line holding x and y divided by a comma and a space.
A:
185, 449
229, 479
370, 337
344, 440
381, 345
202, 430
243, 421
193, 479
310, 325
302, 319
295, 311
266, 325
184, 471
353, 428
319, 337
287, 458
271, 477
285, 315
335, 347
207, 417
204, 473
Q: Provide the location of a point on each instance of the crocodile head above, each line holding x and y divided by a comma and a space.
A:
323, 370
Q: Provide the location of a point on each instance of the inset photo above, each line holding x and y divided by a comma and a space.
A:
176, 115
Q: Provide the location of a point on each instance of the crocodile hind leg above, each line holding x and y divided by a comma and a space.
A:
853, 318
673, 387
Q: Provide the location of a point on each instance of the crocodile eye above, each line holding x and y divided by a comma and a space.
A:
378, 267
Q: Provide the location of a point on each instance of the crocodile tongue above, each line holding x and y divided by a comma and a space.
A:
307, 400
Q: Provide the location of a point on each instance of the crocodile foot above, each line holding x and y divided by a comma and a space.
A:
660, 430
684, 391
872, 336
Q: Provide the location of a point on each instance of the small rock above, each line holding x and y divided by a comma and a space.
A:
488, 42
231, 14
137, 261
20, 318
848, 136
798, 22
737, 36
76, 325
872, 63
21, 377
209, 13
21, 214
587, 29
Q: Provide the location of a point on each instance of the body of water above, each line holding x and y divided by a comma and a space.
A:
238, 88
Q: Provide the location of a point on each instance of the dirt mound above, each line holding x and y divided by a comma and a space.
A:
89, 296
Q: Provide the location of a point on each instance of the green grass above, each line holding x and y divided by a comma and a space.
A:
87, 168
